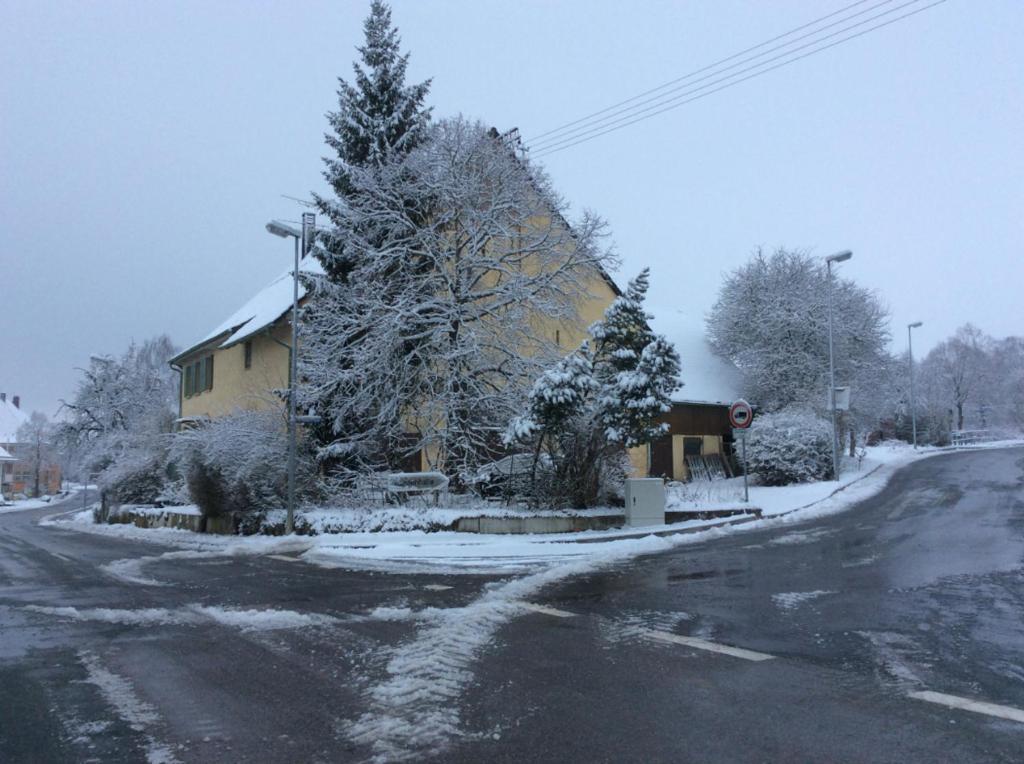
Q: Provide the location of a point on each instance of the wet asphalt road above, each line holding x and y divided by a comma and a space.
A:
920, 588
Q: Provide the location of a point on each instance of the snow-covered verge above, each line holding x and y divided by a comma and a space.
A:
320, 520
446, 551
21, 504
777, 500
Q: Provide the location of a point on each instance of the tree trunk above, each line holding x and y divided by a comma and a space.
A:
959, 416
853, 443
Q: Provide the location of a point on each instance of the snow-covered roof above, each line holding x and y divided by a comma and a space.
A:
260, 311
706, 377
5, 456
11, 418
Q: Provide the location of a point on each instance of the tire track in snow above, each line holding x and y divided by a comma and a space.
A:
415, 709
137, 713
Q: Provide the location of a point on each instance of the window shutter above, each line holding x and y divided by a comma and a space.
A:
209, 373
187, 378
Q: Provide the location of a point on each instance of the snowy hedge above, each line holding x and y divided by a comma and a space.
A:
790, 446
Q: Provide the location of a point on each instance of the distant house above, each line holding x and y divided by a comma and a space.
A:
17, 474
699, 420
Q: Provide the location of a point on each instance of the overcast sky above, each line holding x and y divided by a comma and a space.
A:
144, 145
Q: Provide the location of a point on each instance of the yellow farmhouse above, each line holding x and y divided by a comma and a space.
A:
245, 359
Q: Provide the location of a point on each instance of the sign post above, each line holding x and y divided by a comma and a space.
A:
740, 417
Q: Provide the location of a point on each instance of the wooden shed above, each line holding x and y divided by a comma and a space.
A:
699, 440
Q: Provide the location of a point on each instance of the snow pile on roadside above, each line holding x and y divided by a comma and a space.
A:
321, 520
147, 510
19, 505
775, 500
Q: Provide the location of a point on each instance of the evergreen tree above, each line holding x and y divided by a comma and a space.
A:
623, 333
378, 117
638, 370
587, 409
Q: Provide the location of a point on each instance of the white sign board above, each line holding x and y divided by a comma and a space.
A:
842, 395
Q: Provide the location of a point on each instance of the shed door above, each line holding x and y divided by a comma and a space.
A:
661, 457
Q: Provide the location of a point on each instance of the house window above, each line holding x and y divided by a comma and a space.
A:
247, 350
558, 338
198, 376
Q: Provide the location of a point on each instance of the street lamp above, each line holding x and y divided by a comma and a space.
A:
910, 354
838, 257
278, 228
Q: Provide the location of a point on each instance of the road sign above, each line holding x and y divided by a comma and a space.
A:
740, 414
842, 399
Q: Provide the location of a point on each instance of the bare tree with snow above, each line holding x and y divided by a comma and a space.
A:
118, 421
959, 369
35, 446
460, 249
771, 321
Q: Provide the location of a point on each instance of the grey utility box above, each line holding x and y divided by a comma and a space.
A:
645, 501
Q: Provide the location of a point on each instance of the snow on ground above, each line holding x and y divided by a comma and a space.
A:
420, 551
791, 600
19, 505
245, 620
121, 696
415, 705
376, 519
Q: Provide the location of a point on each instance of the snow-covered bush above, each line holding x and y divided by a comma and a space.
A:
589, 407
790, 446
238, 464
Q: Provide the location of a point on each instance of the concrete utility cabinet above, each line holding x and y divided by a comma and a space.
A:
645, 501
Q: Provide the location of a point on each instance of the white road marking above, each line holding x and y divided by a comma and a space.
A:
966, 704
547, 610
665, 636
437, 587
283, 557
703, 644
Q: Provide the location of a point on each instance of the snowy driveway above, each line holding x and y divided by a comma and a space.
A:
848, 638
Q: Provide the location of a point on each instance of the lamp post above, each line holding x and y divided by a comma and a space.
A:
283, 230
910, 354
838, 257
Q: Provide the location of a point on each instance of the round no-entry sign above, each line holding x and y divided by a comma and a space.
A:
740, 414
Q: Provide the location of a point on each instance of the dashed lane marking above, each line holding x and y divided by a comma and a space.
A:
703, 644
437, 587
665, 636
283, 557
548, 610
966, 704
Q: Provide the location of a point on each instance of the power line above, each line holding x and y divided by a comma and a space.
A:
663, 100
562, 128
675, 103
664, 97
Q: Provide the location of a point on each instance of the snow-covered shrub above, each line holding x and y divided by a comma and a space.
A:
790, 446
238, 464
137, 482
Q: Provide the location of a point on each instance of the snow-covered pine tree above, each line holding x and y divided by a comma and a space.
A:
638, 370
379, 121
623, 332
632, 376
378, 117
